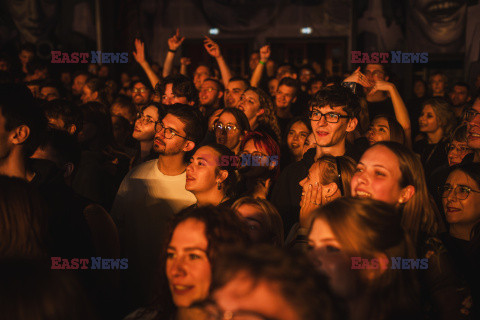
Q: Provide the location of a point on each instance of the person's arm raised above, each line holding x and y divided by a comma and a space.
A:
401, 112
139, 55
214, 50
184, 63
257, 73
173, 44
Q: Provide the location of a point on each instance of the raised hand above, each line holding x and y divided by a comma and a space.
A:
139, 53
359, 78
311, 200
265, 53
184, 61
381, 86
176, 41
212, 48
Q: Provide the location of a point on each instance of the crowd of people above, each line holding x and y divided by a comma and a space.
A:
286, 193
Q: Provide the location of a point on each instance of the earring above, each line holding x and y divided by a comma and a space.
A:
219, 186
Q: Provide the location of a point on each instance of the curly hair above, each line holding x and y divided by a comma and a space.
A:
268, 117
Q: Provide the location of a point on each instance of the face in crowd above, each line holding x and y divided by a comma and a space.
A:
144, 129
378, 177
170, 137
379, 131
228, 132
188, 267
169, 98
78, 84
200, 74
473, 125
461, 199
140, 94
437, 84
330, 132
309, 143
203, 174
285, 96
296, 139
209, 93
250, 105
456, 151
428, 120
233, 93
459, 95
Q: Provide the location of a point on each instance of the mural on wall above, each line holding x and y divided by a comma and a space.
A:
48, 24
436, 26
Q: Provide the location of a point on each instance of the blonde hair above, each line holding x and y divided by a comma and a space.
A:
444, 113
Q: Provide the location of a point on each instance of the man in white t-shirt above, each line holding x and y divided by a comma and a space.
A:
150, 194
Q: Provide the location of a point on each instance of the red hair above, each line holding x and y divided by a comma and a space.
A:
264, 141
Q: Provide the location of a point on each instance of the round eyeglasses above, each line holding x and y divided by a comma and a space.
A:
460, 192
169, 133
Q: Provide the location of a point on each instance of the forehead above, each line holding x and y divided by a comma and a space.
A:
206, 153
251, 146
321, 230
286, 88
437, 77
173, 122
236, 85
460, 88
189, 233
251, 94
381, 155
202, 69
248, 210
428, 108
460, 177
227, 117
328, 108
139, 85
209, 84
299, 126
150, 111
81, 77
374, 67
380, 122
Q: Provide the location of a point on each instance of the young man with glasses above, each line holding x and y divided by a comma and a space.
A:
333, 113
141, 95
210, 96
153, 192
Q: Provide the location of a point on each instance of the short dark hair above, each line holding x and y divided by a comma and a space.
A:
289, 68
192, 118
247, 84
336, 96
220, 85
145, 82
462, 84
240, 116
293, 276
289, 82
181, 87
18, 107
66, 110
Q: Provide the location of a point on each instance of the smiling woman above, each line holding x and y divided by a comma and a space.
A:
191, 247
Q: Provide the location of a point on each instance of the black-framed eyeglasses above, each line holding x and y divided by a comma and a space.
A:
471, 114
218, 126
142, 90
144, 119
340, 184
331, 117
463, 149
214, 312
169, 132
460, 192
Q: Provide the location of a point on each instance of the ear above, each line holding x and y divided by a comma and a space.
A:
387, 78
352, 124
191, 103
260, 112
220, 94
68, 169
294, 76
222, 176
294, 99
406, 194
95, 95
72, 129
189, 146
330, 189
20, 134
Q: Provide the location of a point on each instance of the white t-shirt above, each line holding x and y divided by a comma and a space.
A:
144, 203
